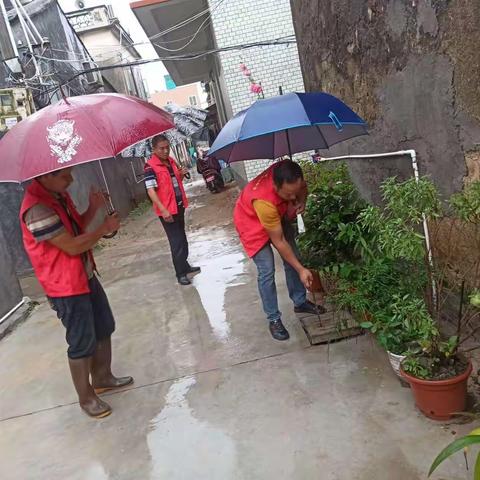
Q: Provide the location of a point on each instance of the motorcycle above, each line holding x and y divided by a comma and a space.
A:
213, 180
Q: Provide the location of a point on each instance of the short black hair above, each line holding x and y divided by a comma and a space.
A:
286, 171
158, 138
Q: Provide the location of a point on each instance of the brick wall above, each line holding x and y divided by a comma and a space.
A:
246, 21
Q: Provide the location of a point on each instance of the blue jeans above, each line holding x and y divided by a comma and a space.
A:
264, 260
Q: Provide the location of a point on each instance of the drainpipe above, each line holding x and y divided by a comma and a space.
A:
413, 157
13, 310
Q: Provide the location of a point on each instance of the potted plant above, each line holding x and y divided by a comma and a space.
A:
333, 202
438, 376
438, 371
401, 327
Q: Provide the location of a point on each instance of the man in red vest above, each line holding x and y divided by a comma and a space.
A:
262, 218
164, 182
59, 248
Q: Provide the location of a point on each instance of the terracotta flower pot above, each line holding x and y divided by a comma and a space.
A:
440, 399
316, 285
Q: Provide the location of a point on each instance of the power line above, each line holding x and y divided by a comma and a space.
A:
181, 24
287, 40
202, 26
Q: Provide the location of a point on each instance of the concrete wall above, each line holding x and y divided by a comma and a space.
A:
245, 21
181, 96
100, 45
10, 198
10, 291
124, 191
410, 69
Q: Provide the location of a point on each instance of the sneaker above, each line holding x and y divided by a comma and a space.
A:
278, 331
194, 270
183, 280
309, 307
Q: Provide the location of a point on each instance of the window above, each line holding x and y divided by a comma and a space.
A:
6, 100
193, 100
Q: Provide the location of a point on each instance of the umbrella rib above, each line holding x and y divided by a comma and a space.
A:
321, 134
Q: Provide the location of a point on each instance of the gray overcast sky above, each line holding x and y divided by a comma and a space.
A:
154, 72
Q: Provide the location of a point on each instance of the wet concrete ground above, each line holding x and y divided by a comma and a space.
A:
215, 397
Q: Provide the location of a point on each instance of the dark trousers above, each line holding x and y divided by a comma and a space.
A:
178, 241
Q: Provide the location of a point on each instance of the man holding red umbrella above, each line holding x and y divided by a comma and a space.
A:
73, 131
59, 247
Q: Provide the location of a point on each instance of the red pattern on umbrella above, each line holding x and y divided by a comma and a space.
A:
77, 130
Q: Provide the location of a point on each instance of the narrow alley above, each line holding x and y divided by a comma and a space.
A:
215, 397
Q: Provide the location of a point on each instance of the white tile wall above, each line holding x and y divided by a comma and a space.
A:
247, 21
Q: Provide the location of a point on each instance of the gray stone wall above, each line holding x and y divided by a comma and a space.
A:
10, 291
410, 69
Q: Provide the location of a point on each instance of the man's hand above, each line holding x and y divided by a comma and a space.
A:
306, 277
167, 216
184, 171
97, 199
111, 223
300, 208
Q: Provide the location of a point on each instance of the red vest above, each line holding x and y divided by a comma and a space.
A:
60, 274
165, 190
252, 234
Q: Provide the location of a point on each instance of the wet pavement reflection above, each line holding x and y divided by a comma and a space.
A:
223, 266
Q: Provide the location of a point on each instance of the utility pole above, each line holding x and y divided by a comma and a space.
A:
8, 48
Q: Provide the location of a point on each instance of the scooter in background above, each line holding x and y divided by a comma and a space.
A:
213, 180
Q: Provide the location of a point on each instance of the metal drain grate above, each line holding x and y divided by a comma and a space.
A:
334, 326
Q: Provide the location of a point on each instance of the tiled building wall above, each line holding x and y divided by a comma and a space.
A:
249, 21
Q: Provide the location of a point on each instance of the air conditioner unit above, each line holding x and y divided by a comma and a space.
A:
16, 104
91, 77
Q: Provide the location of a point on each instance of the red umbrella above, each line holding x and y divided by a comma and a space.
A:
77, 130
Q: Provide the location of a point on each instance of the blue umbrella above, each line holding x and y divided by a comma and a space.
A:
287, 124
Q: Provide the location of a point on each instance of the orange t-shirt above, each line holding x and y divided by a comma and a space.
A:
267, 213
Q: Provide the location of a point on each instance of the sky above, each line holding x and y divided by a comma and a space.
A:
153, 73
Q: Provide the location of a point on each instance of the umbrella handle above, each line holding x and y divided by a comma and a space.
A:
187, 176
110, 235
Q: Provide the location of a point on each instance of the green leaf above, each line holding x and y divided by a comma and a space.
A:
454, 447
366, 325
476, 472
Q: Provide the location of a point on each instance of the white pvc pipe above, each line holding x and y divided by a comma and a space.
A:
13, 310
25, 28
413, 156
30, 21
9, 28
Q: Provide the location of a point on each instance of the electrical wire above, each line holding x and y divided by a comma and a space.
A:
168, 30
181, 24
202, 26
287, 40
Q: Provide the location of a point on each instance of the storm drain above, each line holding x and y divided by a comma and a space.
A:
329, 327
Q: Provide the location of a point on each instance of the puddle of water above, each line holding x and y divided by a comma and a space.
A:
181, 446
222, 264
96, 472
